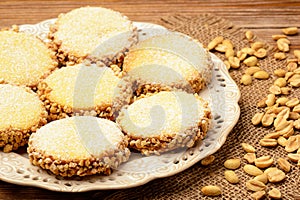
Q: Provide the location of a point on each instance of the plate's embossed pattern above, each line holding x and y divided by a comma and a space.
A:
223, 95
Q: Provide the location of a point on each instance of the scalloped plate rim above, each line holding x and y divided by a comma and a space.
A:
218, 144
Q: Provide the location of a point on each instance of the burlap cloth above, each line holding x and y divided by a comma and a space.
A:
188, 184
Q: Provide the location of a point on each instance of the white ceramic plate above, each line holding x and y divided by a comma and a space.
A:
16, 168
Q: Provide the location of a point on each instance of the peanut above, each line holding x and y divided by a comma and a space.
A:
248, 148
249, 35
296, 108
258, 195
260, 53
288, 75
284, 113
285, 90
227, 43
257, 45
252, 170
293, 102
248, 51
274, 89
234, 62
251, 61
246, 79
283, 45
261, 75
256, 119
231, 176
291, 66
277, 37
293, 143
280, 82
285, 40
262, 103
274, 109
250, 157
211, 190
215, 42
251, 70
274, 174
274, 193
297, 53
282, 101
280, 72
229, 53
284, 164
270, 100
233, 163
290, 30
262, 178
294, 77
268, 142
227, 64
221, 48
280, 56
255, 185
297, 70
264, 161
208, 160
273, 135
288, 130
292, 60
280, 123
294, 115
282, 141
295, 157
267, 120
295, 83
241, 55
297, 124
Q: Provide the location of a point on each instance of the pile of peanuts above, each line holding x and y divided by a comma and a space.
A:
279, 111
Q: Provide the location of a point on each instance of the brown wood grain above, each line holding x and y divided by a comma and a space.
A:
263, 17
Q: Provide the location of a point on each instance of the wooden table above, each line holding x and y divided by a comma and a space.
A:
263, 17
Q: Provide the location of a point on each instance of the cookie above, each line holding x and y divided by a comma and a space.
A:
165, 121
169, 61
78, 146
22, 113
84, 90
93, 33
24, 59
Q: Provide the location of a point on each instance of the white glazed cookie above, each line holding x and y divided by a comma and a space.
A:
84, 90
78, 146
22, 113
165, 121
96, 33
168, 61
24, 59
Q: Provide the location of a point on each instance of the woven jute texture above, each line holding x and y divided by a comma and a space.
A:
188, 184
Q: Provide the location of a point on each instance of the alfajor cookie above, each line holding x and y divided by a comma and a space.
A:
84, 90
24, 59
22, 113
93, 33
78, 146
165, 121
169, 61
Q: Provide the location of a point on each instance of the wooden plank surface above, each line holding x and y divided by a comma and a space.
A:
263, 17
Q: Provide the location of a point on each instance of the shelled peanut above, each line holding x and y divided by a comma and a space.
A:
249, 56
281, 112
263, 171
